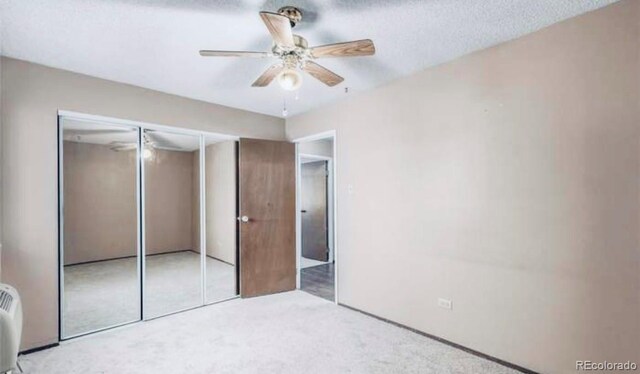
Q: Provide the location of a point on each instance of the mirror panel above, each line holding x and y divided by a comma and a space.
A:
220, 218
99, 215
173, 261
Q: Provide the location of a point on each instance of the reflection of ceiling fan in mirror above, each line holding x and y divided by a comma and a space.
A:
150, 140
294, 53
102, 136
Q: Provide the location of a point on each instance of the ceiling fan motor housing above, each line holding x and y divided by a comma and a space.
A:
294, 14
301, 50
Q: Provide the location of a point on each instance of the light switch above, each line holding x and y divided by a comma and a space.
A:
444, 303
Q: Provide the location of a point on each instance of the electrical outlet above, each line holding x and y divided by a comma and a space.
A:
444, 303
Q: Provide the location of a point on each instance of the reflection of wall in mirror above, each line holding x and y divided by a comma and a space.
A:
169, 201
220, 182
100, 202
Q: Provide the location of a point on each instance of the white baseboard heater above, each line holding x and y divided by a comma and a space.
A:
10, 327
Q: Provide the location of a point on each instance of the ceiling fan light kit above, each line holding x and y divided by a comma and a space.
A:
295, 54
147, 153
290, 79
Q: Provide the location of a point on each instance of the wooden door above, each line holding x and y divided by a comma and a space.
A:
313, 196
267, 211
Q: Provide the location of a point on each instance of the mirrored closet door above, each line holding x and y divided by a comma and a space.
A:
99, 267
133, 199
220, 174
173, 260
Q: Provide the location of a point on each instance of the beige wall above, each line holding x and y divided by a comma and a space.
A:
506, 181
32, 94
100, 203
220, 184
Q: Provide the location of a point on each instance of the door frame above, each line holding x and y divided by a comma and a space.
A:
140, 127
332, 208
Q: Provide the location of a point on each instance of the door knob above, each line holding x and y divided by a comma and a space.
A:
244, 219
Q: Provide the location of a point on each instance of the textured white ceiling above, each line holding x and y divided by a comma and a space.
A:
155, 43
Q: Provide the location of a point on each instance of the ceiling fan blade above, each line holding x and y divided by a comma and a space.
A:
322, 74
280, 28
348, 49
267, 77
122, 146
162, 143
209, 53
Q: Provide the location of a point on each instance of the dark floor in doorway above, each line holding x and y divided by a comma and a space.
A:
318, 281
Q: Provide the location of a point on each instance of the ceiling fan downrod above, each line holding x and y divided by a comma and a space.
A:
294, 14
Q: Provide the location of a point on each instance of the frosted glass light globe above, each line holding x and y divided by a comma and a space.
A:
290, 79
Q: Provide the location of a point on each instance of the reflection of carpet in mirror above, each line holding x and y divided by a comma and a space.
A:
103, 294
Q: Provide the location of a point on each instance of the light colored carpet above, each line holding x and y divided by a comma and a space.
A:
291, 332
106, 293
308, 262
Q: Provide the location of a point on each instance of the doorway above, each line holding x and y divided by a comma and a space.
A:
316, 216
314, 197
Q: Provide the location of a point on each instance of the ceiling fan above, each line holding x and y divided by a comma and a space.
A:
294, 53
